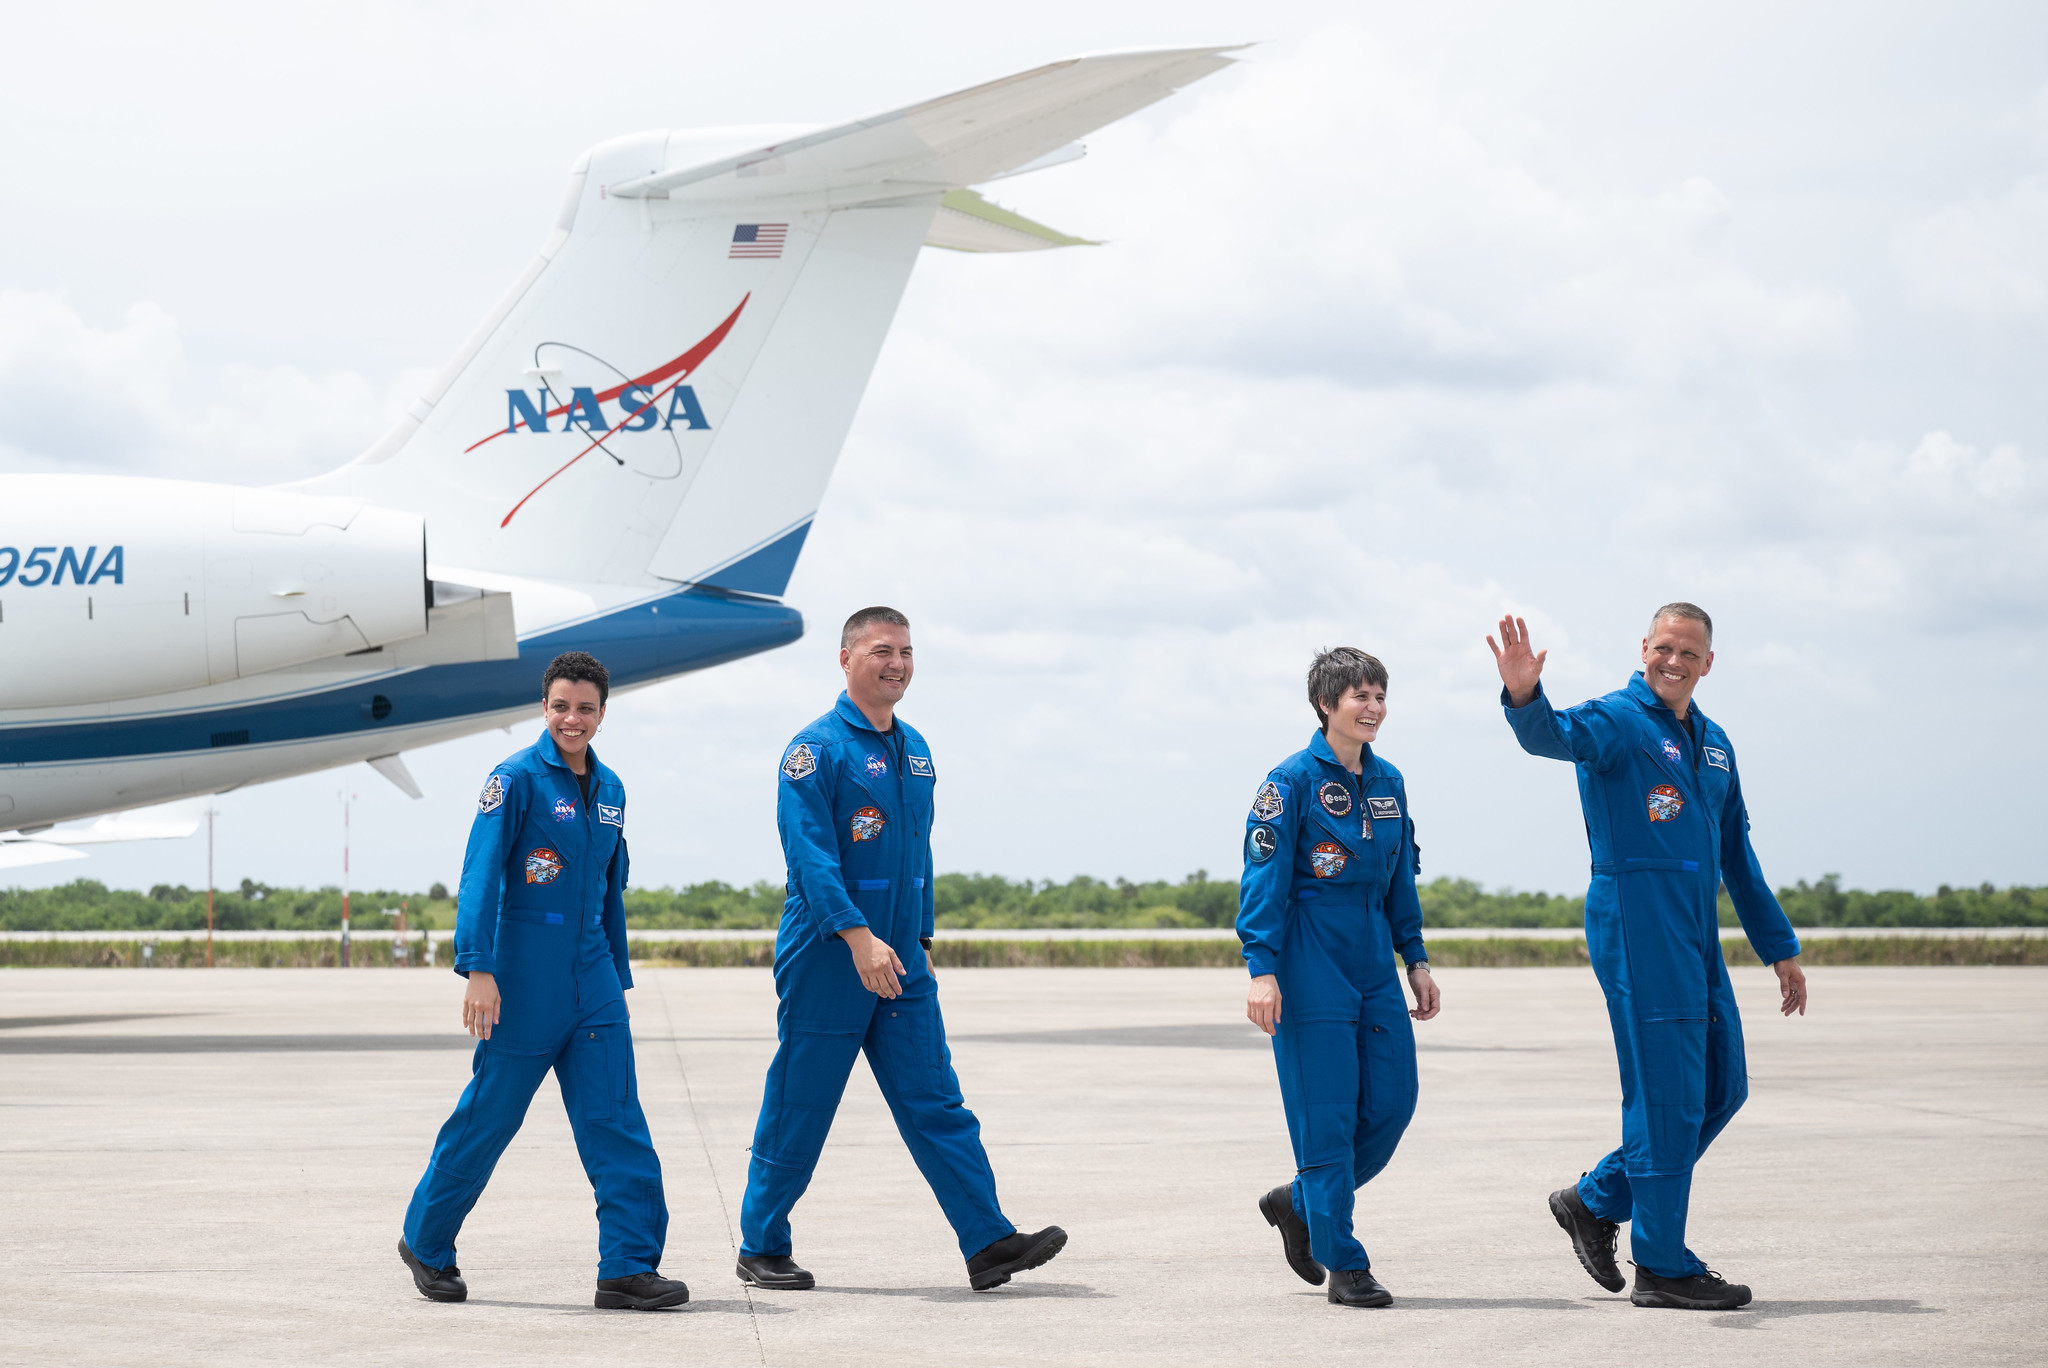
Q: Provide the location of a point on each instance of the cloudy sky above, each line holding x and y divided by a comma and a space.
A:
1419, 314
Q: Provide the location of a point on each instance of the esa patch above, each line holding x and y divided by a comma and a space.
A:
493, 796
1335, 798
799, 763
1665, 803
1717, 758
920, 765
868, 823
565, 811
1383, 809
1260, 843
611, 816
543, 866
877, 766
1269, 802
1328, 858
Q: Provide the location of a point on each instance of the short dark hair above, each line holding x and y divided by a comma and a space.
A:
578, 667
1337, 672
1690, 612
857, 626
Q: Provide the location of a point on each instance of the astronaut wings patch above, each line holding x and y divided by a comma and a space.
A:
493, 796
800, 763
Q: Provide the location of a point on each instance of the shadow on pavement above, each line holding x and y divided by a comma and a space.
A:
1754, 1314
1010, 1290
1489, 1303
739, 1307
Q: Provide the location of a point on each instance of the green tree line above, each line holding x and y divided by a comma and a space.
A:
968, 901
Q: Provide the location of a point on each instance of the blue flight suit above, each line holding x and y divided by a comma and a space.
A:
1328, 896
854, 809
542, 908
1666, 823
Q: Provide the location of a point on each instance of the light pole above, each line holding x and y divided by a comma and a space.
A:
209, 888
344, 877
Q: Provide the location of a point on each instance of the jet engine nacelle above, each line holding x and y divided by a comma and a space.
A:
128, 587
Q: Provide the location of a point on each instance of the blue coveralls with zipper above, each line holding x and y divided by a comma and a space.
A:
1667, 825
1327, 898
542, 909
854, 809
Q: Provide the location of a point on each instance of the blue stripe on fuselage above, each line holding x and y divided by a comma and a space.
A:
689, 630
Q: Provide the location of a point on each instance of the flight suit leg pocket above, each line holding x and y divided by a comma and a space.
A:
1387, 1054
592, 1072
1671, 1060
910, 1044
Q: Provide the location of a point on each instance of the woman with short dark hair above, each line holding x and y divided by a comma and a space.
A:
1328, 897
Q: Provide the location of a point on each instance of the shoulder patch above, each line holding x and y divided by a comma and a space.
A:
800, 763
1270, 801
1715, 756
920, 765
1260, 843
493, 796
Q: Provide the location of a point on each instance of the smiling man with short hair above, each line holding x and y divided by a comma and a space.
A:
1667, 825
854, 809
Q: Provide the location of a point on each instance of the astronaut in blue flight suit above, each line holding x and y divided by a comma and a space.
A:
1664, 814
854, 809
1327, 899
540, 934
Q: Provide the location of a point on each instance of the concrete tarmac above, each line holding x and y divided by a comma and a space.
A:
210, 1168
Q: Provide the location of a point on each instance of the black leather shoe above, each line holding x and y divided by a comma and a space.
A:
435, 1284
1592, 1238
1013, 1254
1358, 1287
777, 1272
1277, 1207
1707, 1291
640, 1292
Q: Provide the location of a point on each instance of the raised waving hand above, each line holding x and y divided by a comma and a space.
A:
1521, 666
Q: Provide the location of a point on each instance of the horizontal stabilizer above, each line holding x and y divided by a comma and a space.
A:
968, 223
392, 767
965, 138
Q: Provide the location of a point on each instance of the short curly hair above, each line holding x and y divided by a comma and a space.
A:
578, 667
1337, 672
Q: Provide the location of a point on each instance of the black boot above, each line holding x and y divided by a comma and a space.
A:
1358, 1287
1592, 1238
1277, 1207
435, 1284
777, 1272
640, 1292
1013, 1254
1707, 1291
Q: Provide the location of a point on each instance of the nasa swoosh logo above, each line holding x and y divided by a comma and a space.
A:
655, 401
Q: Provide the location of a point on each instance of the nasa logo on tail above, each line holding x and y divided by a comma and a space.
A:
655, 401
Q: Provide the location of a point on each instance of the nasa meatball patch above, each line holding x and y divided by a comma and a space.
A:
1328, 859
1665, 803
1717, 758
799, 763
877, 766
867, 824
1671, 751
493, 796
543, 866
1270, 801
1260, 843
1335, 798
565, 811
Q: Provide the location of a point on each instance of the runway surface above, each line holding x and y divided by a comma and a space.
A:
211, 1167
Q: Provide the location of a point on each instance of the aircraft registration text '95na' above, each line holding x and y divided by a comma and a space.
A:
623, 458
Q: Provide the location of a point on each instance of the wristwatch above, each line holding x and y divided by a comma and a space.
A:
1419, 964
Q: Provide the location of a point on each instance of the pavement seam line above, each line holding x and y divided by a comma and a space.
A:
711, 1164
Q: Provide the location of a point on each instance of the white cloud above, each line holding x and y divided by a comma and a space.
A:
1987, 257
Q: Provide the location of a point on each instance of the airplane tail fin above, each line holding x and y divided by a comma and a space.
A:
662, 394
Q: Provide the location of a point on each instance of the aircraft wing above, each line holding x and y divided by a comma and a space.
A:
48, 845
962, 139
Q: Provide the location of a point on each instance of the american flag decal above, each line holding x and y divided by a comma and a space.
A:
760, 240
